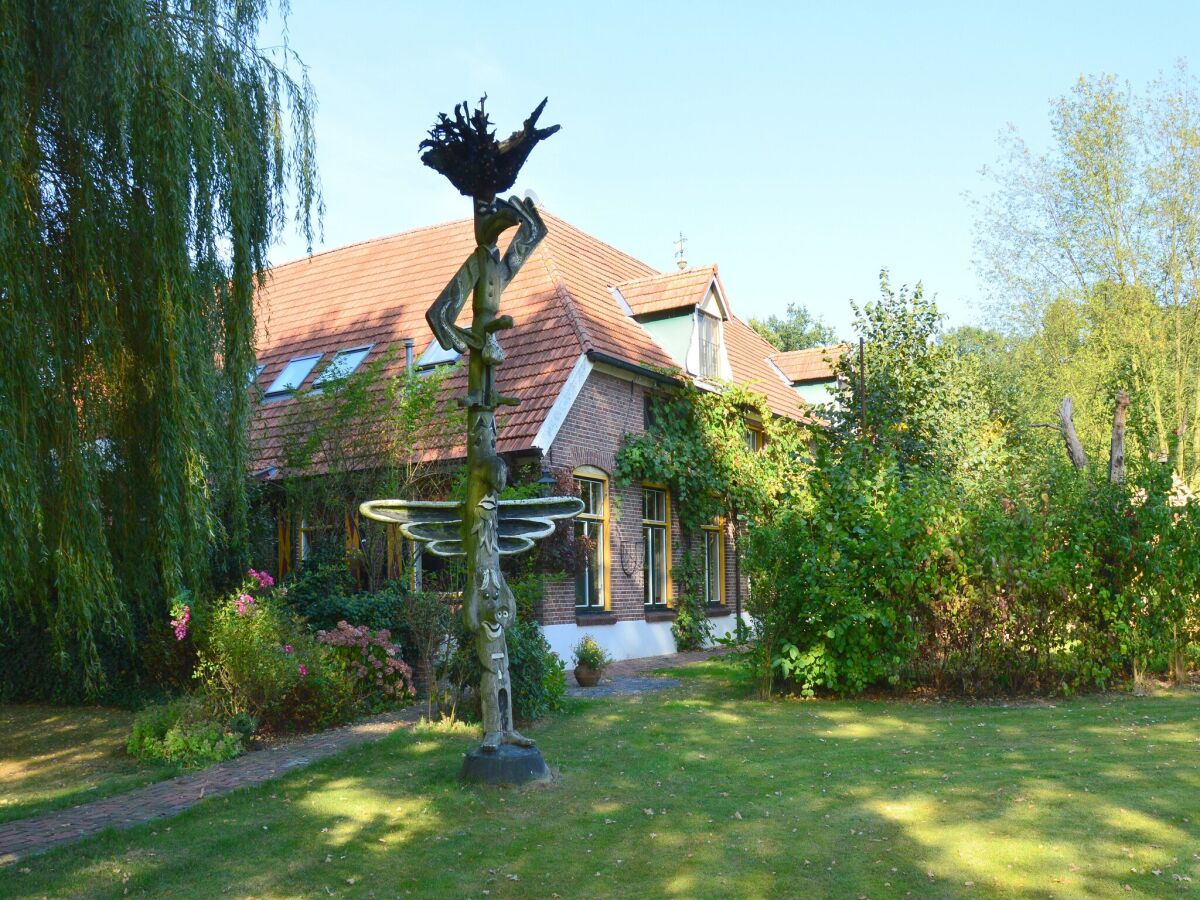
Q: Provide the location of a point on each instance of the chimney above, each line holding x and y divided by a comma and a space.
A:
408, 356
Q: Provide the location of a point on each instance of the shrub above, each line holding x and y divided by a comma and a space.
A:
182, 733
428, 622
1053, 582
258, 658
324, 593
539, 678
538, 674
845, 582
372, 664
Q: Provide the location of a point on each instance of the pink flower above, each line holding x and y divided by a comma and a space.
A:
244, 604
303, 670
287, 648
180, 625
264, 578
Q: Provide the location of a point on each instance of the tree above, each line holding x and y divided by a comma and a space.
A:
1093, 253
797, 330
353, 439
926, 397
147, 149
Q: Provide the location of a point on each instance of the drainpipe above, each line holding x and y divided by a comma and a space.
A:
408, 356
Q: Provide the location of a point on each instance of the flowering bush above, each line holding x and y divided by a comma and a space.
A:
258, 658
373, 664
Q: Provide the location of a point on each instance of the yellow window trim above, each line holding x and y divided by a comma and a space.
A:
594, 474
667, 522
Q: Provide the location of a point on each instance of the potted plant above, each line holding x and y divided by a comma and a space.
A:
590, 661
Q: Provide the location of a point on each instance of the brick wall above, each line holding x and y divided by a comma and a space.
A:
607, 407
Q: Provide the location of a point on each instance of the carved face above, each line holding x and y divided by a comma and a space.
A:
492, 218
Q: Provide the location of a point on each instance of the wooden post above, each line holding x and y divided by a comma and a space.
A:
1066, 418
862, 383
1116, 456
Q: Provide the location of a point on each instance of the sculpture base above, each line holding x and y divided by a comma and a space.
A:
508, 765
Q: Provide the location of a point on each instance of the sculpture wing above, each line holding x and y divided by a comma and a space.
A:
438, 523
435, 523
521, 522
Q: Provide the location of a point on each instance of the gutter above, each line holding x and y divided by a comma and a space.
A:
596, 356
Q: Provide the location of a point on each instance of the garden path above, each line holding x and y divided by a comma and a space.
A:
37, 834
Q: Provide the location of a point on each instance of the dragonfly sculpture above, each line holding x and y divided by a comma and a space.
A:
484, 528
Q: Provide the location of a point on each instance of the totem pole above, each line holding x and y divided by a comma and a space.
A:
484, 527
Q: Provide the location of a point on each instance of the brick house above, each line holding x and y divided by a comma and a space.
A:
596, 332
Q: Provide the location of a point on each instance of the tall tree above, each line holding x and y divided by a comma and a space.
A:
797, 330
147, 146
1093, 251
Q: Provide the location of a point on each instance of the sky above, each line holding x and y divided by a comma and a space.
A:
800, 146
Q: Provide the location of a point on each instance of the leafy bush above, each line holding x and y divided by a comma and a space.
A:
181, 733
1054, 583
325, 593
371, 663
258, 658
539, 677
427, 620
538, 674
846, 580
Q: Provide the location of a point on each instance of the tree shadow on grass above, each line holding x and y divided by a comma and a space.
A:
702, 792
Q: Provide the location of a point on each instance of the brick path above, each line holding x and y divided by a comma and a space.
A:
38, 834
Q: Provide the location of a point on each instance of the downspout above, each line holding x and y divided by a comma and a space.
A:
408, 356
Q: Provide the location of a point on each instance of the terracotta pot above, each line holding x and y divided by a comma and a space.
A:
586, 676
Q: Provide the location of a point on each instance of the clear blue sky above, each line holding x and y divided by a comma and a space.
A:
801, 146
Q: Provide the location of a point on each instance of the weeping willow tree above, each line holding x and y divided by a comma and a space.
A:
146, 147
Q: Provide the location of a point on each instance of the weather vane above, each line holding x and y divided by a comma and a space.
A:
483, 528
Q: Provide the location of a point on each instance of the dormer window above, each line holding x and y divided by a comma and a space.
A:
293, 375
708, 334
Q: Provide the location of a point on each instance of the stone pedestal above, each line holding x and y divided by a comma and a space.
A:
508, 765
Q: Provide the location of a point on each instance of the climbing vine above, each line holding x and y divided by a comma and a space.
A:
697, 446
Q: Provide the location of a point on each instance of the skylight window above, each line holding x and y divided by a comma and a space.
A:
258, 370
434, 355
293, 375
344, 363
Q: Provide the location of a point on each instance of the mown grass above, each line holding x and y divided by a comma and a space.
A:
51, 757
703, 792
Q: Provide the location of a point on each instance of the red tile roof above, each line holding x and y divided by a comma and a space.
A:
813, 364
376, 292
748, 354
664, 292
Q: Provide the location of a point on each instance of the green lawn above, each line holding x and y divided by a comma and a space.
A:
703, 792
51, 757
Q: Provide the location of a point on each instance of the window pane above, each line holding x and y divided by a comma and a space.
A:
344, 362
712, 567
654, 505
589, 584
654, 569
435, 355
293, 374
